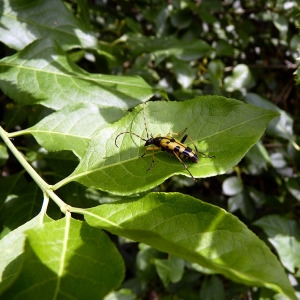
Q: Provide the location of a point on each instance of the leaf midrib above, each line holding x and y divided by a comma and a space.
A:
83, 77
103, 167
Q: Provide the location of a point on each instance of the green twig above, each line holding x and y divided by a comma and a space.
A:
46, 188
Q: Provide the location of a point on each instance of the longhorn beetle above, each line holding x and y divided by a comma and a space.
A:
169, 144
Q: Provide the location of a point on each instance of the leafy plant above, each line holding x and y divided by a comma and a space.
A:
65, 225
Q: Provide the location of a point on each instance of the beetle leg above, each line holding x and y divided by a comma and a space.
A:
205, 155
178, 133
148, 149
184, 138
187, 136
184, 165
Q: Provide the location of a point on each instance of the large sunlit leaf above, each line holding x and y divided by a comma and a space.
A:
225, 128
23, 22
67, 259
42, 73
196, 231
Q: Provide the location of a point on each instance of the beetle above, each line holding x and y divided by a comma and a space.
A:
168, 144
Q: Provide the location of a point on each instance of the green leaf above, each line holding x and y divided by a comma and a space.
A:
281, 23
284, 235
42, 73
297, 75
20, 201
225, 128
204, 10
293, 186
216, 70
241, 79
185, 74
68, 259
215, 74
23, 22
3, 154
122, 294
278, 160
257, 158
182, 19
280, 127
72, 127
232, 186
12, 253
162, 48
223, 48
212, 289
144, 263
196, 231
243, 202
170, 270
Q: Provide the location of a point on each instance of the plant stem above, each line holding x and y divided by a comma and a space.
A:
46, 188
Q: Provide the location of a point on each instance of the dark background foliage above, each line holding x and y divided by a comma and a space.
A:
246, 50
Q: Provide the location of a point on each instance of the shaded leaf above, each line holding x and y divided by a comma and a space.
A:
243, 202
293, 186
284, 235
23, 22
223, 48
182, 19
144, 262
184, 73
162, 48
170, 270
257, 158
212, 289
20, 201
232, 186
280, 127
3, 154
241, 79
281, 24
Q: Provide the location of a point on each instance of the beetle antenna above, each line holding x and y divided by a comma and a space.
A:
145, 124
129, 133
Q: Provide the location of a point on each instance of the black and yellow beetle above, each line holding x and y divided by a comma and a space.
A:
169, 144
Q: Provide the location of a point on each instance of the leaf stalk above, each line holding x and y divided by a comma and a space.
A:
46, 188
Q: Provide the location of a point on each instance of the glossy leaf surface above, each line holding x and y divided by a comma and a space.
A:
224, 128
26, 21
43, 73
67, 259
196, 231
72, 127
